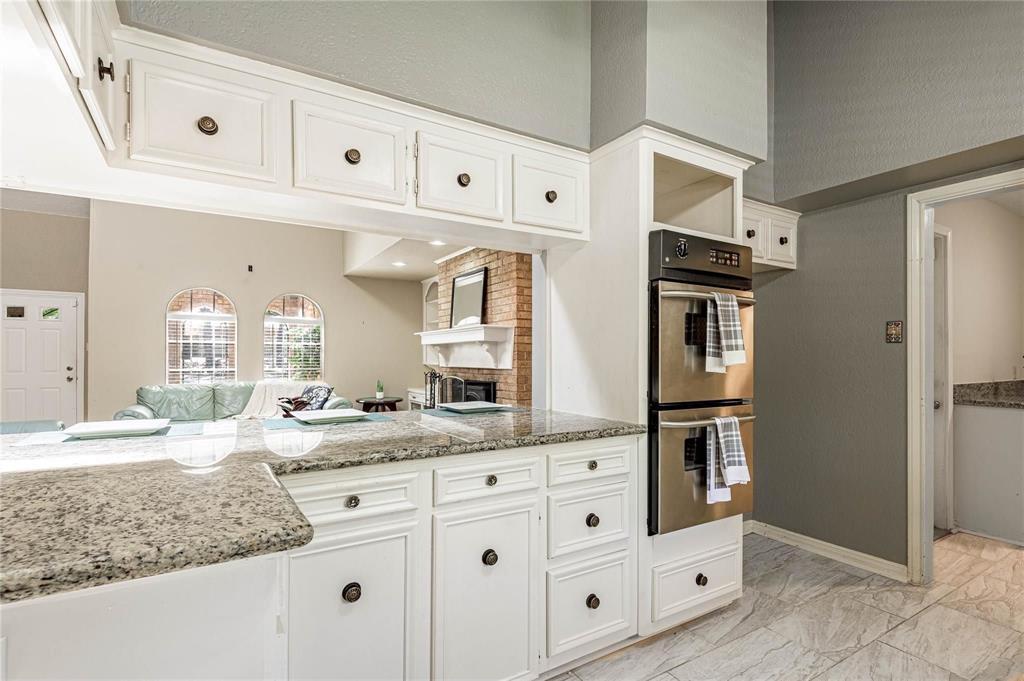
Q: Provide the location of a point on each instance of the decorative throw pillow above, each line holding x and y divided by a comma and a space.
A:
316, 396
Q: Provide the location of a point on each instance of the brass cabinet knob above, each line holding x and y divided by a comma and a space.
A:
352, 501
551, 196
593, 602
751, 234
492, 480
783, 240
463, 179
593, 520
490, 557
207, 125
701, 580
592, 465
352, 592
105, 70
353, 156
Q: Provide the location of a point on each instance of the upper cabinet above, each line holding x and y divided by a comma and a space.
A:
771, 232
465, 175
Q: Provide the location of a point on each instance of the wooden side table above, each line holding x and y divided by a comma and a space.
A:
371, 404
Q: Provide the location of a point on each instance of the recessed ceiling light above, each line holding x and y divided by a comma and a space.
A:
398, 263
436, 242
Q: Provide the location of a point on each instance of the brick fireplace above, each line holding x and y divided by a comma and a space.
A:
509, 302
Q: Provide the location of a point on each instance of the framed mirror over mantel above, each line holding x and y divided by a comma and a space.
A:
469, 293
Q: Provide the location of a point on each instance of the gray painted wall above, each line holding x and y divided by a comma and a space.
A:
759, 179
524, 66
707, 65
618, 68
862, 88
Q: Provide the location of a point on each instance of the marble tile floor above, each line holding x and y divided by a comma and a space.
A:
803, 616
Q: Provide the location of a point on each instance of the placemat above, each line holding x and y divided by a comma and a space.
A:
56, 437
447, 413
283, 423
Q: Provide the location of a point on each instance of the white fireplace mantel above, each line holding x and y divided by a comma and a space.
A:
475, 346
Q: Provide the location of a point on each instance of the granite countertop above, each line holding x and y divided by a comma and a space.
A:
82, 513
1008, 394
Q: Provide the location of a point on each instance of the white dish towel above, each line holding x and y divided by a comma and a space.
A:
727, 462
724, 334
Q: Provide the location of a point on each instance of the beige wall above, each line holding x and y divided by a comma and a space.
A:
139, 257
43, 252
988, 290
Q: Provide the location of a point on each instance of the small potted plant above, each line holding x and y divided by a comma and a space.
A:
380, 389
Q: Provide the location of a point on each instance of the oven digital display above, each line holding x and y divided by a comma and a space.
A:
727, 258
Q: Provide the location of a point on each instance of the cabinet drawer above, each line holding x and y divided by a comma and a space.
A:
683, 584
481, 481
580, 519
461, 176
547, 194
351, 150
754, 234
782, 242
588, 464
588, 601
325, 499
356, 591
219, 121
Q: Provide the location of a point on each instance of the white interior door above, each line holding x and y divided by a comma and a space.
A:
942, 407
41, 350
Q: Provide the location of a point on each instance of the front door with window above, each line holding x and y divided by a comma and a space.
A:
40, 340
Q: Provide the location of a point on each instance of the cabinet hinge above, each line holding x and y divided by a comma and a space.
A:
416, 186
128, 82
127, 131
128, 102
416, 150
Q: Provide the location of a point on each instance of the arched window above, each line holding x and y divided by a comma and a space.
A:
201, 336
293, 339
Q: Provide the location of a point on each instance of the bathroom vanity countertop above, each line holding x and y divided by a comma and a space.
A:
82, 513
1007, 394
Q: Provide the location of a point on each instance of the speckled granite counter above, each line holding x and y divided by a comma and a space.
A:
83, 513
1007, 394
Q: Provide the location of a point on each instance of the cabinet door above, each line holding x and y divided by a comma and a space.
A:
782, 242
101, 84
484, 590
460, 176
548, 193
754, 228
68, 23
350, 613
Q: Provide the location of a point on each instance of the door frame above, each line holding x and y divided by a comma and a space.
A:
78, 302
946, 235
920, 369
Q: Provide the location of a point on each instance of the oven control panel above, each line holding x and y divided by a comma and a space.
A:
717, 256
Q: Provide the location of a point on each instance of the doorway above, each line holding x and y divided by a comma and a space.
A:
921, 366
43, 354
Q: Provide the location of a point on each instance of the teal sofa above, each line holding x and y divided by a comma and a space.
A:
198, 402
38, 426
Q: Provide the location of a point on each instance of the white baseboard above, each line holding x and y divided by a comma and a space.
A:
864, 561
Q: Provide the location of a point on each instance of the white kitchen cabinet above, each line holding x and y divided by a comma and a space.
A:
589, 601
351, 608
349, 148
464, 175
198, 116
485, 562
68, 21
588, 517
771, 233
682, 585
548, 193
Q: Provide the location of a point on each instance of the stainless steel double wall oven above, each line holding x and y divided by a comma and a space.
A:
682, 396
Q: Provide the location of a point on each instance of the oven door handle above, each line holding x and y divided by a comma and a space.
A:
702, 423
699, 295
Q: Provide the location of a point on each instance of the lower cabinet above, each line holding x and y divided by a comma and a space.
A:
589, 601
351, 607
485, 588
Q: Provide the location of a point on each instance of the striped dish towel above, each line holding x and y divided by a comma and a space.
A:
724, 334
727, 462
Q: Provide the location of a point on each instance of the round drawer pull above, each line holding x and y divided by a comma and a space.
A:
207, 125
751, 233
105, 70
352, 501
593, 602
463, 179
783, 240
592, 465
551, 196
353, 156
593, 520
702, 580
352, 592
490, 557
492, 480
